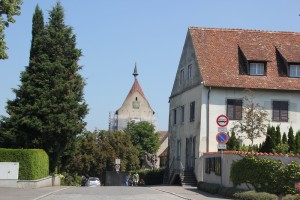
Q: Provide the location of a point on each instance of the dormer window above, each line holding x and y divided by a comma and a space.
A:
257, 69
294, 70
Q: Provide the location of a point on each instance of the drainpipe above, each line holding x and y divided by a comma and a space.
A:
207, 120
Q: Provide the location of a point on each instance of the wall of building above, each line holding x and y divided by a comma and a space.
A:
228, 157
129, 113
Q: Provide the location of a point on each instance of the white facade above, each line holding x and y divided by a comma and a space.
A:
189, 139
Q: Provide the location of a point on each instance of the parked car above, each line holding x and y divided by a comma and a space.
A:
93, 182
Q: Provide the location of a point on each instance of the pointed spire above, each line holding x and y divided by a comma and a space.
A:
135, 73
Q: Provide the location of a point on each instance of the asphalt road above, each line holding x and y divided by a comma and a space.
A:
107, 193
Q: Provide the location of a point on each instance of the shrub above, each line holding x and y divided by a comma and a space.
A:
33, 163
252, 195
152, 177
70, 179
209, 187
291, 197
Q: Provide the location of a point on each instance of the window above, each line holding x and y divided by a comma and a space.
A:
181, 76
182, 114
257, 69
294, 70
280, 111
178, 149
190, 72
192, 111
174, 116
213, 165
234, 109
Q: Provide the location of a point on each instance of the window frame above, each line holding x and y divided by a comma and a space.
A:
280, 111
251, 63
181, 78
297, 70
192, 111
190, 72
174, 116
237, 107
182, 114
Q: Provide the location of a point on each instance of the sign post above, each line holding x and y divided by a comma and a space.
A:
222, 137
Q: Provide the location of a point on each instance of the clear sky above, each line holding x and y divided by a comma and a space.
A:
116, 34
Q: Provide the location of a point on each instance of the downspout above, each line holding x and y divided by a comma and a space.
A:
207, 120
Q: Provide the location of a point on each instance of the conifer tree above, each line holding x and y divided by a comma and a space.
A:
269, 144
49, 108
291, 140
297, 142
284, 138
233, 143
277, 139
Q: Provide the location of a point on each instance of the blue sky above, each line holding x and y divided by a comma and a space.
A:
116, 34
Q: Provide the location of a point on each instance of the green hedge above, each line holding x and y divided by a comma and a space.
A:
152, 177
33, 163
266, 175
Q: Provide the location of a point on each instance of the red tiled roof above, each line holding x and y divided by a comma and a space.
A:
136, 88
217, 57
162, 136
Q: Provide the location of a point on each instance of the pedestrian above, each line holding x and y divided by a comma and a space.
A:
136, 178
127, 180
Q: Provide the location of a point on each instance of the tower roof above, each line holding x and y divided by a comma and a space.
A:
136, 88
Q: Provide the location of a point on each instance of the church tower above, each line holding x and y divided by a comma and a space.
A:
135, 108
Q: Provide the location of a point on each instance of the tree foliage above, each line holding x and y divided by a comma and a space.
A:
266, 175
8, 9
96, 153
143, 137
233, 143
49, 107
291, 140
254, 120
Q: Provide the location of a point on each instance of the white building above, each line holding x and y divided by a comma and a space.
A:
134, 108
215, 68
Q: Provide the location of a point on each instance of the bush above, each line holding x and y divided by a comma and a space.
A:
213, 188
209, 187
291, 197
33, 163
70, 179
252, 195
152, 177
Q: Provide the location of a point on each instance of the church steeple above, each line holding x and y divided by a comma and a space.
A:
135, 73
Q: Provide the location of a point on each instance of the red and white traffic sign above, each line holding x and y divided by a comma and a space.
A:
222, 120
222, 138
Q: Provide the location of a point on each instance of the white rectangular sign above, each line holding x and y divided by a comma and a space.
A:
118, 161
222, 129
221, 146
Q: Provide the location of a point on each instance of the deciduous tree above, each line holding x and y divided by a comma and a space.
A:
8, 9
254, 120
143, 137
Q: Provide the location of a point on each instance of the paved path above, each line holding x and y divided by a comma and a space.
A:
61, 192
187, 192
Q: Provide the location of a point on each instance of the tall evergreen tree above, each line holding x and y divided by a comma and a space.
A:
233, 143
277, 139
269, 144
297, 142
291, 140
37, 32
284, 138
49, 108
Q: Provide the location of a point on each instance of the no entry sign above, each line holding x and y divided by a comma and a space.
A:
222, 120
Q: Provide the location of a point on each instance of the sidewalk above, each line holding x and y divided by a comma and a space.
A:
187, 192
